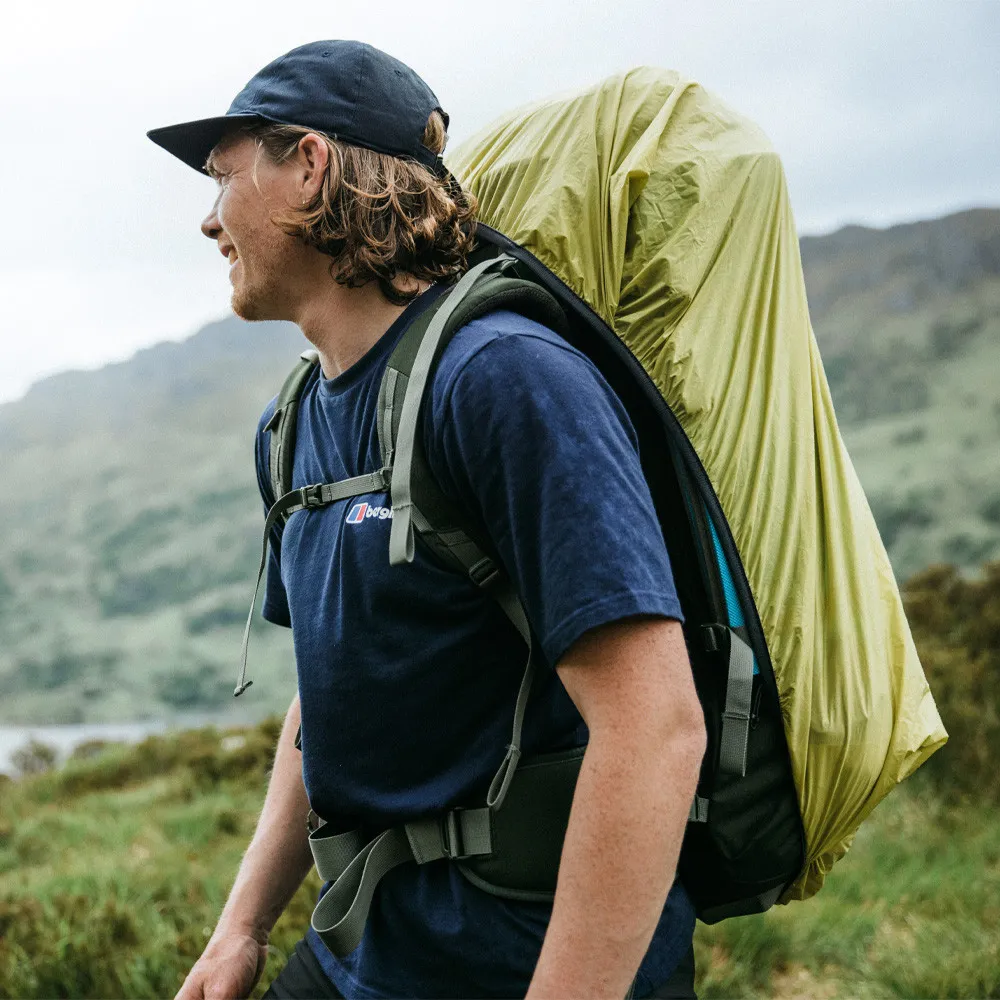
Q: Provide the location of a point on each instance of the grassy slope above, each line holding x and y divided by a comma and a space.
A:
113, 871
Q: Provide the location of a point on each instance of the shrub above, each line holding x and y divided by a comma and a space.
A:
956, 625
207, 755
34, 757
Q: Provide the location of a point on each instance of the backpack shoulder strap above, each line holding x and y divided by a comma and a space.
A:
283, 423
418, 502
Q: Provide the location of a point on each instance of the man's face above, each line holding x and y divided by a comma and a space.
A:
262, 257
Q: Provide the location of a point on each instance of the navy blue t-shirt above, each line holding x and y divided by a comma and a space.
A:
408, 675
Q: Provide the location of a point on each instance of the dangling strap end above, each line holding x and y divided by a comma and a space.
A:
401, 535
242, 688
502, 779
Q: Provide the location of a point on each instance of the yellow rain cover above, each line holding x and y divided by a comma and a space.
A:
668, 214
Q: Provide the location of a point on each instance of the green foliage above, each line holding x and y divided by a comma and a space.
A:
113, 872
220, 616
956, 625
896, 512
55, 671
114, 869
864, 388
989, 509
34, 758
948, 336
191, 684
205, 757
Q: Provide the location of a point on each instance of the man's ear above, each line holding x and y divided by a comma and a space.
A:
312, 158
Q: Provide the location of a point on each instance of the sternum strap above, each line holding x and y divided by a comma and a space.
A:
303, 498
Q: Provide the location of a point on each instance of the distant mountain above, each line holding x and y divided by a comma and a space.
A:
134, 525
908, 323
133, 517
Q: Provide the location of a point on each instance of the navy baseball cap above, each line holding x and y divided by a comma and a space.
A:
347, 90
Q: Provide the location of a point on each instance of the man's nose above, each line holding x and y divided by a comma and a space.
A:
210, 225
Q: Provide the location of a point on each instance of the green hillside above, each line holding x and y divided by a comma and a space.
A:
133, 517
908, 322
136, 528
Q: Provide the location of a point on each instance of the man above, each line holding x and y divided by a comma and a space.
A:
335, 212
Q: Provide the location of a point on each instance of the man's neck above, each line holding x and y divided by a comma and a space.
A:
345, 323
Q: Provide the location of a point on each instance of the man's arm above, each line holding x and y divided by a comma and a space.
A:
276, 862
632, 683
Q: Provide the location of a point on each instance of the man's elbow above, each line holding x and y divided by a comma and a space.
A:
687, 739
676, 735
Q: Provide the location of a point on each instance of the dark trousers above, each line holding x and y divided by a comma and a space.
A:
303, 978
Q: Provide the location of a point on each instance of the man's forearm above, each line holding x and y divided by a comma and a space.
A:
632, 683
278, 858
618, 863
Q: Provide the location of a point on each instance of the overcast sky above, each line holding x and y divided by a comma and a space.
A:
883, 112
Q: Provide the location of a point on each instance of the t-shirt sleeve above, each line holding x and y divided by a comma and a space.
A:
530, 437
275, 605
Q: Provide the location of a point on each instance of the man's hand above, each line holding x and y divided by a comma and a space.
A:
632, 683
228, 968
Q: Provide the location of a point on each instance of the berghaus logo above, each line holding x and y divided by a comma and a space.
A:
363, 511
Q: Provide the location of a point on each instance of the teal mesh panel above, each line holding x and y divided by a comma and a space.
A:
733, 607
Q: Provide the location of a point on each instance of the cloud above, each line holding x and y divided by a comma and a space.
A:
881, 111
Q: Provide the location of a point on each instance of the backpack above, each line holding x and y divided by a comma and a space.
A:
683, 286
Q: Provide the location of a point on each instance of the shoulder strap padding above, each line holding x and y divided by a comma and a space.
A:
283, 422
443, 525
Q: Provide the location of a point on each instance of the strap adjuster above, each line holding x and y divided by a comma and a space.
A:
311, 496
451, 836
484, 572
714, 636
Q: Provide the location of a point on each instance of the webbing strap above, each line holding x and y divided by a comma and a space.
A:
486, 575
387, 392
699, 810
333, 852
735, 735
401, 533
303, 498
502, 779
282, 425
339, 917
356, 868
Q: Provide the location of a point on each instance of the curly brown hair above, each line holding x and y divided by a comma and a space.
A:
379, 216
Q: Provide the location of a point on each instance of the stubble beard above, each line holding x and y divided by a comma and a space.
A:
254, 301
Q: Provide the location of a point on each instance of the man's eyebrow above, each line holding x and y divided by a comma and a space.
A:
211, 168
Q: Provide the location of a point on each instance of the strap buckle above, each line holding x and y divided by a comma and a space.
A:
484, 572
311, 496
451, 836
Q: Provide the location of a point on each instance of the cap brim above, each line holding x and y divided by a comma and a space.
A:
193, 141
